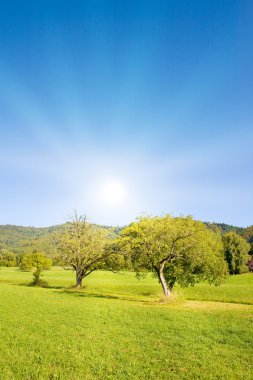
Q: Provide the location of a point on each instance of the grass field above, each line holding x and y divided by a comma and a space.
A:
117, 328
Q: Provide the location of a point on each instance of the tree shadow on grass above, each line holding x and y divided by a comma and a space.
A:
84, 293
109, 296
45, 286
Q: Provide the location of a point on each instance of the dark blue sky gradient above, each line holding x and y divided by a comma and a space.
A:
155, 94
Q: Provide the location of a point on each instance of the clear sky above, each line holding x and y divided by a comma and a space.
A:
156, 96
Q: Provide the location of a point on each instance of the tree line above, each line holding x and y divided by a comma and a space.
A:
175, 249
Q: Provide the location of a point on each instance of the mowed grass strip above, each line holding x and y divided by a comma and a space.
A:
58, 334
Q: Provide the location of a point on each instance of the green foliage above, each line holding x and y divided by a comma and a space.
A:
37, 261
84, 247
224, 228
7, 258
26, 262
247, 234
236, 252
23, 240
20, 240
250, 262
41, 261
176, 249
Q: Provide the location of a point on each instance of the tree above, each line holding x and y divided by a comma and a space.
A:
236, 252
250, 264
40, 262
7, 258
37, 261
26, 261
83, 246
175, 249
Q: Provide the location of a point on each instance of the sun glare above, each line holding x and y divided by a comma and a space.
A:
113, 192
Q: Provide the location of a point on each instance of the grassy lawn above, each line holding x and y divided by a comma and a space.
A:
117, 328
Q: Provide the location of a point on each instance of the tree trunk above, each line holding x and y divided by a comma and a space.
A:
166, 289
79, 280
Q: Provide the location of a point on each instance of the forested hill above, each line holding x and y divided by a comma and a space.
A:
21, 239
246, 232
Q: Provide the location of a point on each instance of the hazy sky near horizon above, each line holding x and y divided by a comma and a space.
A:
156, 95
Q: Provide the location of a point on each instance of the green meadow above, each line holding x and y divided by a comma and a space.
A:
119, 328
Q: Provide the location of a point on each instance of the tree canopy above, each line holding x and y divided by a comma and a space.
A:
36, 261
7, 258
176, 249
83, 246
236, 252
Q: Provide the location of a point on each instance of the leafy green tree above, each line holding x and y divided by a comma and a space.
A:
26, 261
83, 247
176, 250
19, 258
236, 252
7, 258
36, 261
40, 262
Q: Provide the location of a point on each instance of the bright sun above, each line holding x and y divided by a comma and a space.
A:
113, 192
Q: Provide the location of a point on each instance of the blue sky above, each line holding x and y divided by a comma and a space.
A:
156, 95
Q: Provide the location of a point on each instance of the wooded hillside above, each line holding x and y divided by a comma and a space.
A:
19, 239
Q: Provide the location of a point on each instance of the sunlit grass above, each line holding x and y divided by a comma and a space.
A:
236, 289
117, 328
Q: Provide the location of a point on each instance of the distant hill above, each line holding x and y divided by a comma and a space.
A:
19, 239
224, 228
246, 233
